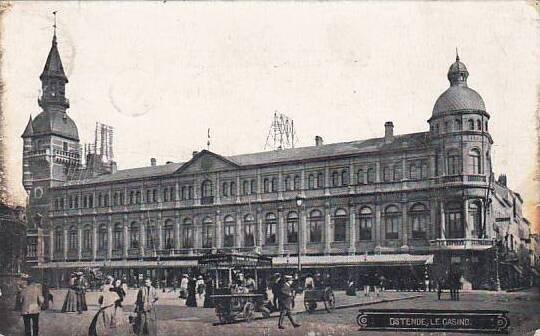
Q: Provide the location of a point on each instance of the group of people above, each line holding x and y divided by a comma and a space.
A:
75, 300
452, 281
191, 289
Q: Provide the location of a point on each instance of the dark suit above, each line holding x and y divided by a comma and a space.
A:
285, 301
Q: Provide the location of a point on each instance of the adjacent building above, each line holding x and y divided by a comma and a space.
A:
421, 201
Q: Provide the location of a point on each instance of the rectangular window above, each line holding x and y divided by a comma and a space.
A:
270, 236
87, 240
187, 234
315, 231
365, 223
249, 235
392, 226
207, 236
419, 225
292, 230
340, 228
454, 224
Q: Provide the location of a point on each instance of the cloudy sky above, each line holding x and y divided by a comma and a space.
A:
163, 73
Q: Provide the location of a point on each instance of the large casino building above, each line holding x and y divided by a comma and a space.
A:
401, 204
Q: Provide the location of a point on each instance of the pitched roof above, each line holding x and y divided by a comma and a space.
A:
404, 141
57, 123
53, 65
331, 150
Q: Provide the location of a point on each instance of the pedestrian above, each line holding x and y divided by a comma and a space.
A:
351, 287
366, 282
31, 301
184, 286
191, 300
71, 304
251, 286
276, 287
309, 282
146, 320
80, 291
286, 296
200, 286
209, 291
45, 292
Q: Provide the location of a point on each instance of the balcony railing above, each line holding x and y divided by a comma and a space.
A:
207, 200
476, 178
463, 243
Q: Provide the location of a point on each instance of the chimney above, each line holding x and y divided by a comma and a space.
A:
169, 162
318, 140
153, 162
195, 153
388, 132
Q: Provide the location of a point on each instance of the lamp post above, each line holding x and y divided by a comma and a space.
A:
300, 198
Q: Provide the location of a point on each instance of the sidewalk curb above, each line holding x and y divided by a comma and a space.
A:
360, 304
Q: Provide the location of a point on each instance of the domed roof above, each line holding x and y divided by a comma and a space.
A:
57, 123
457, 98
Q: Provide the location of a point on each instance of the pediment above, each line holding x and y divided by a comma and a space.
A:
206, 161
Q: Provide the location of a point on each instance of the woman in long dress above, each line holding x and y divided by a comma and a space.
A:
71, 301
191, 300
145, 306
110, 318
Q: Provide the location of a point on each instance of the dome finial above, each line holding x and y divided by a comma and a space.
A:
457, 55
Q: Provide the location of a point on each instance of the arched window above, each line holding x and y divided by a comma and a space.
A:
73, 238
392, 222
458, 125
190, 192
151, 238
115, 200
56, 204
311, 181
225, 189
340, 225
266, 185
134, 234
320, 180
207, 189
58, 240
474, 157
183, 193
166, 194
71, 202
287, 183
315, 226
479, 124
360, 176
296, 182
87, 238
106, 200
475, 218
245, 187
365, 223
397, 173
249, 230
274, 184
121, 199
148, 196
335, 179
207, 232
253, 186
187, 233
486, 126
453, 163
118, 237
171, 193
419, 216
371, 175
270, 229
470, 123
100, 200
168, 234
229, 228
76, 202
138, 197
154, 195
232, 189
387, 173
454, 220
103, 238
292, 227
344, 177
413, 171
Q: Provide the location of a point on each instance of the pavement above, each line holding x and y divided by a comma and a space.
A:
176, 319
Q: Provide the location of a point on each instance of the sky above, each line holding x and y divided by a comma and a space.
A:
163, 73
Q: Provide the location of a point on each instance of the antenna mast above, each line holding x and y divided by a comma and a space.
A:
281, 134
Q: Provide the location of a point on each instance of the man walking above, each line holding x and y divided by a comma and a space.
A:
31, 301
146, 322
285, 300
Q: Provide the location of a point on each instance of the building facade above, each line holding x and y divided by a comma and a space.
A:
429, 193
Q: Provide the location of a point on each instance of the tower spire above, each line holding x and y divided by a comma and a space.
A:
54, 27
457, 55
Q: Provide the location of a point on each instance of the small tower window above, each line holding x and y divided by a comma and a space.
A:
479, 125
65, 146
471, 124
457, 124
486, 126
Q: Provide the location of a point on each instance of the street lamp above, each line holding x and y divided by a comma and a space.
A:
300, 198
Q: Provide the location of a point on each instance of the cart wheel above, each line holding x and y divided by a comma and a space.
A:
330, 301
249, 311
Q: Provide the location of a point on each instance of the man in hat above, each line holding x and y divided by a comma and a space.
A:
285, 302
184, 286
144, 307
31, 301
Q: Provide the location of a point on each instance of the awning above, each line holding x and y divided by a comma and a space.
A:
355, 260
118, 264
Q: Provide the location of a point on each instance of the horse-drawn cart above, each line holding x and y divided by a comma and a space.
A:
326, 295
230, 301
